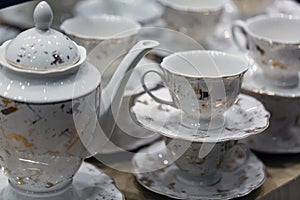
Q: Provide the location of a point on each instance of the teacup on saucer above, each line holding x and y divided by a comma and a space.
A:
250, 8
143, 11
255, 82
233, 184
107, 39
205, 167
203, 84
197, 19
273, 42
246, 117
281, 136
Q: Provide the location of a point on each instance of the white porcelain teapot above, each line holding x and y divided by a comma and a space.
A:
45, 82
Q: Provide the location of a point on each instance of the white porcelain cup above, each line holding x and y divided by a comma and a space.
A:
107, 39
195, 169
250, 8
273, 42
198, 19
144, 11
203, 84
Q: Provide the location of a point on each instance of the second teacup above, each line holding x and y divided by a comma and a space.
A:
273, 42
197, 19
203, 84
107, 39
205, 170
250, 8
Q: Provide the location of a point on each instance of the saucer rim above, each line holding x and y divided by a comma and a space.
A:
85, 167
252, 188
253, 87
222, 138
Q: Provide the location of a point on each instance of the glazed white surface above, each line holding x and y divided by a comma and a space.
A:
246, 117
142, 10
205, 64
194, 5
232, 185
88, 176
100, 27
45, 89
41, 48
278, 28
255, 81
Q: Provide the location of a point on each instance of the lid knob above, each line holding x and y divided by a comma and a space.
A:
43, 16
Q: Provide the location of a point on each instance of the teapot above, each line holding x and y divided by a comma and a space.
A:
49, 97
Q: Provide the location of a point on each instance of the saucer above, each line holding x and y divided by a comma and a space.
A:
285, 143
89, 183
246, 117
232, 185
255, 82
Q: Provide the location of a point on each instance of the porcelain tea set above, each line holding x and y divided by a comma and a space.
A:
201, 116
54, 98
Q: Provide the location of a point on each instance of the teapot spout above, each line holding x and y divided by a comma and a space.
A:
112, 94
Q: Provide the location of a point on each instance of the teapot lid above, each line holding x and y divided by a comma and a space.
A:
42, 49
42, 65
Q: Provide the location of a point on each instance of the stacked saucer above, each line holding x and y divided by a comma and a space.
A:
158, 166
200, 157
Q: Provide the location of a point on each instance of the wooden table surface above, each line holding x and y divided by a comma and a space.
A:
282, 183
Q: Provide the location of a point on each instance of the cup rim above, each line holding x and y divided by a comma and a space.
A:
174, 5
155, 8
258, 18
133, 26
246, 60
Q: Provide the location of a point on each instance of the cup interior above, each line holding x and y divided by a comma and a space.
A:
205, 64
281, 29
100, 27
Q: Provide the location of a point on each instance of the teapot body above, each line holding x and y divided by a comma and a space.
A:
41, 148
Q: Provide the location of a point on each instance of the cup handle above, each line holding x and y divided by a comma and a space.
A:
157, 99
227, 165
239, 26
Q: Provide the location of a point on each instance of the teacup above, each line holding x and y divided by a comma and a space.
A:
143, 11
206, 169
273, 42
203, 84
197, 19
107, 39
250, 8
